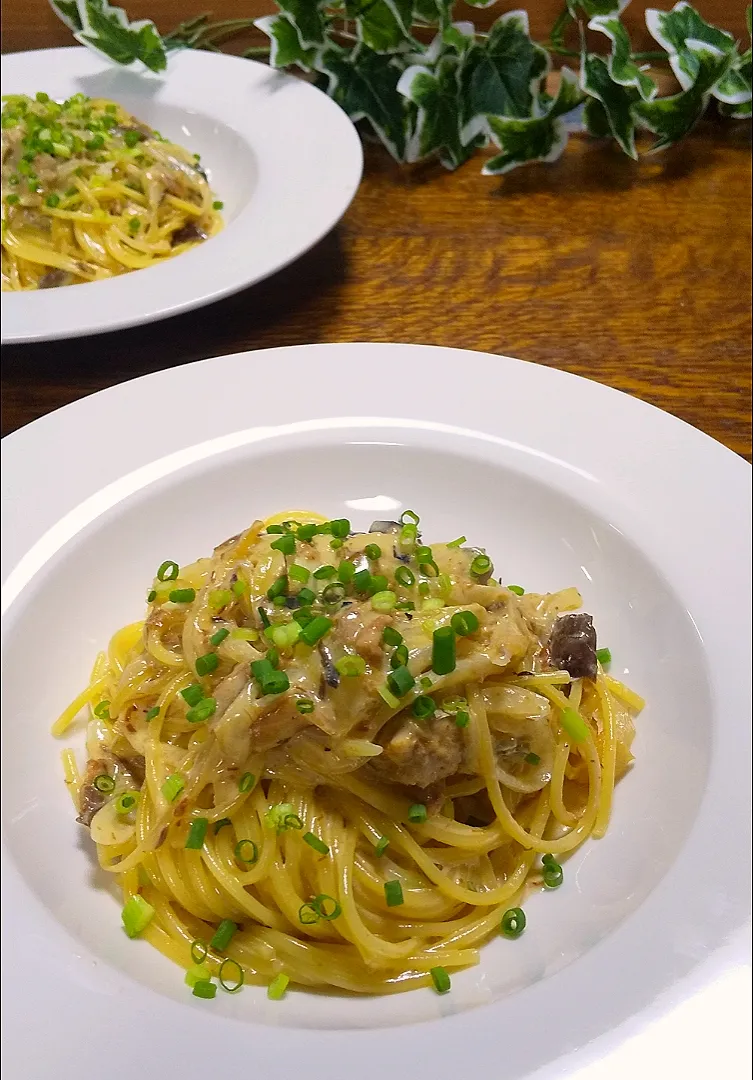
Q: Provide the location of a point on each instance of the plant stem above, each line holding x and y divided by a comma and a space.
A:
648, 56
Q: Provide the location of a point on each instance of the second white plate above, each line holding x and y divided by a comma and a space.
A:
285, 160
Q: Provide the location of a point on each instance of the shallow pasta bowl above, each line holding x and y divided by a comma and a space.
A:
566, 482
281, 156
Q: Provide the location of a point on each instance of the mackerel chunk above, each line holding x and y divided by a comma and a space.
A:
572, 645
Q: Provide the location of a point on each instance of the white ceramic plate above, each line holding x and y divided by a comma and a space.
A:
285, 160
567, 482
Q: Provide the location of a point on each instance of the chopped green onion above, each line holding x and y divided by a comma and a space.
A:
238, 587
192, 694
173, 786
481, 565
340, 528
323, 573
405, 605
407, 537
238, 979
391, 636
456, 543
199, 952
334, 593
182, 596
299, 573
306, 596
219, 636
383, 601
304, 705
462, 718
281, 817
425, 682
434, 603
277, 682
382, 844
378, 583
274, 530
399, 656
201, 712
532, 759
306, 533
134, 224
207, 663
221, 824
126, 801
513, 922
388, 697
246, 782
409, 517
218, 205
278, 986
423, 707
219, 598
203, 988
197, 833
152, 713
604, 657
303, 616
168, 571
372, 551
441, 980
285, 545
102, 711
574, 725
417, 813
335, 544
350, 666
307, 914
316, 629
405, 577
320, 904
278, 587
136, 915
246, 851
151, 596
346, 571
362, 580
223, 935
315, 843
400, 681
464, 623
52, 200
104, 783
444, 583
424, 588
12, 199
552, 872
393, 893
263, 616
286, 636
443, 650
519, 591
131, 138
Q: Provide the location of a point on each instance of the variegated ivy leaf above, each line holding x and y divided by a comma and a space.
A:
432, 11
734, 90
616, 102
306, 17
285, 45
675, 29
382, 25
364, 84
595, 119
540, 138
459, 36
107, 30
623, 70
437, 95
502, 75
673, 117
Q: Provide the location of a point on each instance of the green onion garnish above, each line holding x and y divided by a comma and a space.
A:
519, 591
378, 583
102, 711
383, 601
326, 907
417, 813
198, 973
223, 935
207, 663
285, 545
277, 682
574, 725
104, 783
221, 824
323, 573
441, 980
52, 200
604, 657
299, 573
551, 871
151, 596
336, 543
306, 533
340, 528
275, 530
333, 593
219, 636
399, 656
192, 694
201, 712
461, 718
168, 571
278, 986
372, 551
409, 517
393, 893
218, 205
425, 682
136, 915
199, 951
346, 571
464, 623
152, 713
443, 650
173, 786
423, 707
197, 833
405, 577
228, 964
281, 817
304, 705
350, 666
391, 636
238, 587
219, 598
362, 580
382, 844
481, 565
203, 988
388, 697
246, 782
126, 801
456, 543
182, 596
263, 616
400, 681
307, 914
407, 538
316, 843
513, 922
278, 587
246, 851
306, 596
532, 759
316, 629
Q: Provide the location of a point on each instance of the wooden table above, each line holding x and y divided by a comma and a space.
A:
634, 275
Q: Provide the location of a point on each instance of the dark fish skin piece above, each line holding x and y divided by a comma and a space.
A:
572, 645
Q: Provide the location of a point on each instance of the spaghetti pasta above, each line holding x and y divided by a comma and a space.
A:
89, 192
349, 755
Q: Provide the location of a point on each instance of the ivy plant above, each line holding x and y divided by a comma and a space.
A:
429, 86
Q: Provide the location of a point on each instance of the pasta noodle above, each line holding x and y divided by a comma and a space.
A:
89, 192
343, 758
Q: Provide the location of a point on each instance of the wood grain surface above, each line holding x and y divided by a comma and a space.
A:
637, 276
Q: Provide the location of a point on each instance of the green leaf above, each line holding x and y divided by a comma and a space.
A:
437, 95
622, 69
540, 138
306, 17
436, 12
67, 10
673, 29
616, 100
459, 36
364, 84
595, 119
382, 25
286, 48
107, 30
502, 75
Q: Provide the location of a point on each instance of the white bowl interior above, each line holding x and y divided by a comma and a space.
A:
539, 533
